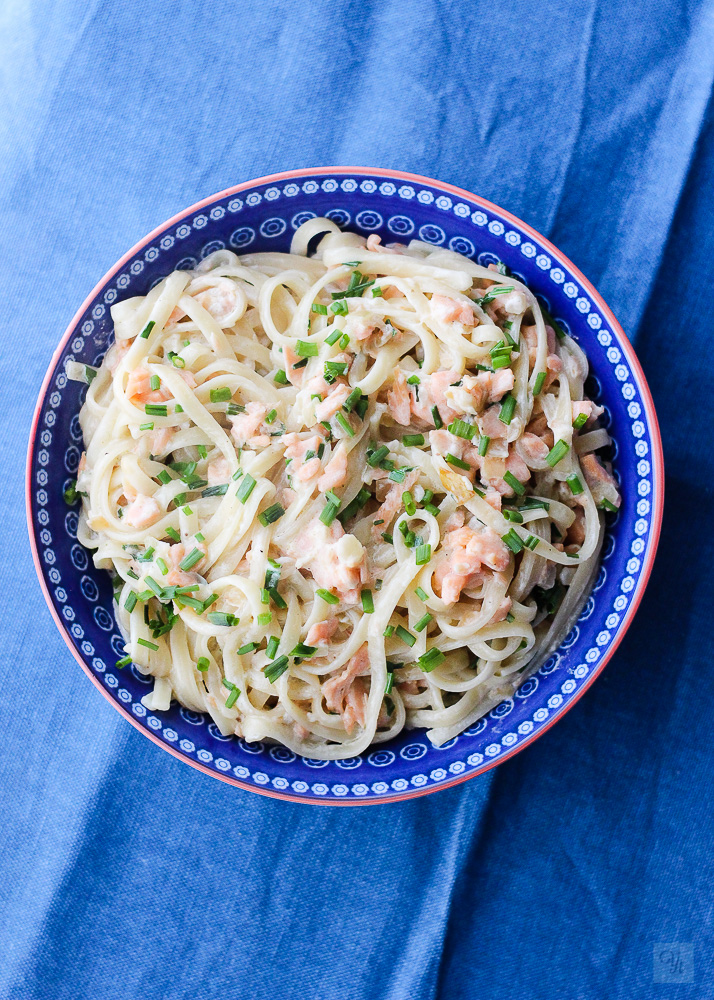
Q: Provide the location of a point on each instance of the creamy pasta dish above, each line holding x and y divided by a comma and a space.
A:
341, 491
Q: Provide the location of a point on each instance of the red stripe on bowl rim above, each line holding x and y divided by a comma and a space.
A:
623, 342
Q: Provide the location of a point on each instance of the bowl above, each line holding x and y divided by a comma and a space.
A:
262, 215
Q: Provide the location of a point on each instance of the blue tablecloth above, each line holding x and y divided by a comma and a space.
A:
583, 867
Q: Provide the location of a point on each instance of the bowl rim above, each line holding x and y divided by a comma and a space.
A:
623, 342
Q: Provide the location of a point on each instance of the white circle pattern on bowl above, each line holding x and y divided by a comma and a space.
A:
95, 332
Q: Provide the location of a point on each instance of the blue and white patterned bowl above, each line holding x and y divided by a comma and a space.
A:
262, 215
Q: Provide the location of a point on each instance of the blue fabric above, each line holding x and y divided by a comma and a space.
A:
124, 873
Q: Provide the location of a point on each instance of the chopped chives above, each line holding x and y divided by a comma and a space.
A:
149, 645
173, 534
236, 475
154, 383
249, 647
483, 444
215, 491
70, 494
501, 360
512, 515
271, 514
573, 555
492, 292
354, 505
318, 308
270, 417
462, 429
438, 422
432, 509
538, 385
413, 439
299, 364
580, 421
431, 659
508, 408
164, 477
202, 663
233, 409
132, 574
176, 360
221, 395
272, 574
130, 602
353, 397
423, 554
192, 602
576, 487
514, 483
513, 541
388, 538
124, 662
344, 424
397, 475
327, 596
367, 602
190, 560
265, 618
221, 618
232, 697
377, 292
306, 349
280, 377
390, 673
277, 598
557, 453
246, 488
388, 632
178, 408
405, 636
608, 505
153, 585
272, 647
156, 409
422, 623
264, 596
161, 563
329, 513
188, 589
408, 501
274, 670
339, 308
531, 542
147, 427
413, 380
302, 650
421, 594
147, 329
333, 337
459, 463
376, 456
332, 370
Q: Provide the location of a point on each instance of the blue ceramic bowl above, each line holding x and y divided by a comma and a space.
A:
262, 215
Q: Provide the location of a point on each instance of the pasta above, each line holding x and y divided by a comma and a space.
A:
341, 493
